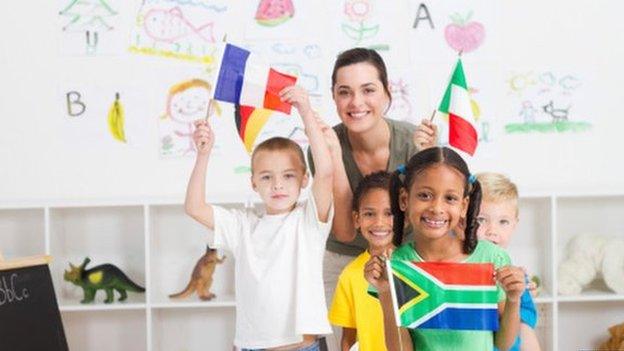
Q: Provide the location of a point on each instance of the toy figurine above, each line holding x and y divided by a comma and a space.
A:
106, 276
201, 278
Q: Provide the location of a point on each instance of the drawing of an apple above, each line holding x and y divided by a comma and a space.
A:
464, 35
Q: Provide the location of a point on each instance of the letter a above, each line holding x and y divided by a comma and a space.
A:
422, 7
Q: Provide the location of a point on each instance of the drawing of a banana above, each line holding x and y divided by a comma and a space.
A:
116, 120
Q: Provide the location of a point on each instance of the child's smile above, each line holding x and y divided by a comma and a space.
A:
374, 219
436, 201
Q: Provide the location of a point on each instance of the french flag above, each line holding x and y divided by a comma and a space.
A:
243, 80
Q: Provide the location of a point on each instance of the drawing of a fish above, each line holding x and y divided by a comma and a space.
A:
171, 26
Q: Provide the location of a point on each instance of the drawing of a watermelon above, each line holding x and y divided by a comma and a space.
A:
272, 13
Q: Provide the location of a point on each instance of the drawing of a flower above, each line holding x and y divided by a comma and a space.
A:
357, 10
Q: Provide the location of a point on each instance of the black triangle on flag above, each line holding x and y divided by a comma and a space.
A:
404, 292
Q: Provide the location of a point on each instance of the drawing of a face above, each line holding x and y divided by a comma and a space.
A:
188, 105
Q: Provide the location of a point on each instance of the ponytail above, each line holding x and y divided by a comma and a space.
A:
474, 203
398, 221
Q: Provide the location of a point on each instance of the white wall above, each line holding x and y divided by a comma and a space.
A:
45, 155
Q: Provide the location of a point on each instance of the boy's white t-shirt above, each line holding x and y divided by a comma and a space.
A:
279, 282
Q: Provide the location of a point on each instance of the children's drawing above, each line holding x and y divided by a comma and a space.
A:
301, 60
401, 107
358, 24
464, 35
285, 126
185, 30
116, 120
272, 13
90, 19
187, 101
544, 102
274, 20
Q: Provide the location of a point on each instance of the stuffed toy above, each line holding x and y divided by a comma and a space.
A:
588, 257
616, 342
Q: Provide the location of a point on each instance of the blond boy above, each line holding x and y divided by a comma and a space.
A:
280, 301
498, 218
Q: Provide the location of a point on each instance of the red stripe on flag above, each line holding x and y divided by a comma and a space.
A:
245, 113
276, 82
462, 134
481, 274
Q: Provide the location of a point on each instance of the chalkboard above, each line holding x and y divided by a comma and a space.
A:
29, 314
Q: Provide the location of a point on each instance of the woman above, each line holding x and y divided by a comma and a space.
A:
365, 142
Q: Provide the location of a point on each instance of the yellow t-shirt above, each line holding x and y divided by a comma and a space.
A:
353, 307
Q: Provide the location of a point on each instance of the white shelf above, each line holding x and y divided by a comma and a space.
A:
157, 246
194, 302
102, 307
105, 330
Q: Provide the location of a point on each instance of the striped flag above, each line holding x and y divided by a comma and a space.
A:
249, 123
456, 104
242, 79
436, 295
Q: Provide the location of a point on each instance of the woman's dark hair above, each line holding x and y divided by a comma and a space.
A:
376, 180
358, 55
418, 163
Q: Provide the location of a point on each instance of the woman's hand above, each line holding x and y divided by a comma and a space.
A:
331, 138
425, 135
203, 137
512, 280
298, 97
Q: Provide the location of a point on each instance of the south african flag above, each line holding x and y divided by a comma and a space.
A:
444, 295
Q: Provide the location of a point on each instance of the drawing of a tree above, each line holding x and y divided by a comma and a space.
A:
90, 17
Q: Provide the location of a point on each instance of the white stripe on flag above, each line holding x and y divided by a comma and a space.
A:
395, 304
254, 82
460, 103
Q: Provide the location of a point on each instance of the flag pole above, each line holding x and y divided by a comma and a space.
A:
432, 115
210, 101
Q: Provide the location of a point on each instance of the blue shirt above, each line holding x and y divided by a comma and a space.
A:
528, 316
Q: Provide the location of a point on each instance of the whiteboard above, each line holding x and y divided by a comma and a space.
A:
544, 76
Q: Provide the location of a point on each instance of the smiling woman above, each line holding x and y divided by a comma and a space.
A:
365, 142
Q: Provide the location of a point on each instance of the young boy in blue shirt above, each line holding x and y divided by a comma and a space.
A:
498, 218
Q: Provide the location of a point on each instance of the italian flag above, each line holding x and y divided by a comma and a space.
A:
456, 104
433, 295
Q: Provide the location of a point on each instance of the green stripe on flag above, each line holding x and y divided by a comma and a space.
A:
433, 296
458, 78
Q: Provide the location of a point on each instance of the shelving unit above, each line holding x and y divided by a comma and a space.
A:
157, 246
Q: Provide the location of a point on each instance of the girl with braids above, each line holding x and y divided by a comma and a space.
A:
358, 313
433, 192
365, 141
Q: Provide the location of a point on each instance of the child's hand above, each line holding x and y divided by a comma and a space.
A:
298, 97
375, 272
533, 290
425, 135
512, 280
203, 137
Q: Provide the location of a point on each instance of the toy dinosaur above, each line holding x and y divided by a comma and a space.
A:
201, 278
106, 276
